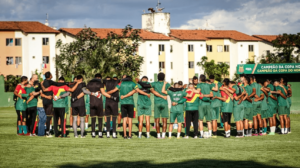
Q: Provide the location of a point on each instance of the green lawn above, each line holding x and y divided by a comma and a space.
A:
266, 151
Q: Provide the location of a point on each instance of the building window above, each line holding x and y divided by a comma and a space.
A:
17, 42
209, 48
18, 60
220, 48
171, 48
191, 64
226, 48
219, 63
162, 65
251, 48
161, 47
45, 41
9, 60
9, 42
191, 48
268, 52
45, 59
171, 65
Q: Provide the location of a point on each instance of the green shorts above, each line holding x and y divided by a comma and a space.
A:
264, 114
238, 113
256, 109
205, 111
272, 111
144, 110
215, 113
87, 110
283, 110
178, 115
161, 111
248, 113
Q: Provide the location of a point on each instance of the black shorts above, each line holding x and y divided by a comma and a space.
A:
97, 111
226, 117
48, 109
80, 110
23, 115
127, 110
111, 108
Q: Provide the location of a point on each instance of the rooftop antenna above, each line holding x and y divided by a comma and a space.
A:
158, 8
47, 23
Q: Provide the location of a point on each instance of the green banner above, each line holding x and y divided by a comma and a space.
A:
268, 68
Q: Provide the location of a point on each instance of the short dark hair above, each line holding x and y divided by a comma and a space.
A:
79, 77
195, 77
252, 77
242, 75
24, 78
202, 78
144, 77
180, 83
61, 78
211, 76
175, 83
74, 78
47, 74
98, 75
285, 80
247, 78
226, 81
232, 82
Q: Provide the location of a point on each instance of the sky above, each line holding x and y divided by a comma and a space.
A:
248, 16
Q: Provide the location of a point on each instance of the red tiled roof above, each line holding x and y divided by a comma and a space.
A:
102, 33
211, 34
26, 27
268, 38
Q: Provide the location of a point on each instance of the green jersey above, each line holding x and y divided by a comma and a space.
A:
157, 86
270, 100
289, 98
258, 92
87, 103
143, 99
238, 90
175, 97
264, 102
21, 103
227, 106
281, 101
216, 102
205, 88
249, 90
33, 102
192, 103
58, 91
125, 87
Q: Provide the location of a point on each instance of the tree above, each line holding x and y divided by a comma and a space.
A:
89, 54
210, 68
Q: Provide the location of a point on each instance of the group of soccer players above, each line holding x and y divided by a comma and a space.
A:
254, 104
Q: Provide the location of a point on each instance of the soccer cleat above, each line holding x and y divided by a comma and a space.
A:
129, 137
148, 137
28, 134
254, 134
100, 136
93, 136
214, 136
139, 137
170, 137
107, 136
82, 136
200, 137
75, 136
64, 136
281, 133
271, 133
186, 137
260, 134
115, 137
263, 134
195, 137
49, 136
178, 137
125, 137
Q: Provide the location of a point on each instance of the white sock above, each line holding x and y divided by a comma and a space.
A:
209, 132
114, 134
148, 134
50, 127
107, 133
282, 130
100, 133
163, 135
140, 134
285, 130
170, 134
93, 134
86, 125
178, 134
201, 133
158, 135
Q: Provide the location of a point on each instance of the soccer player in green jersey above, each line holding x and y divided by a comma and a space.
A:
282, 106
176, 94
272, 106
204, 104
264, 106
216, 104
161, 109
289, 95
144, 105
248, 116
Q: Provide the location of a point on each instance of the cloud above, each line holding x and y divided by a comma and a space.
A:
252, 17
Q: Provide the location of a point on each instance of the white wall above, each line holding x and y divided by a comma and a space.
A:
156, 22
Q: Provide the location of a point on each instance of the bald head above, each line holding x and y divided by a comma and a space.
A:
34, 77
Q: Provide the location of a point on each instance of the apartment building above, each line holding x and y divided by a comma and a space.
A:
25, 47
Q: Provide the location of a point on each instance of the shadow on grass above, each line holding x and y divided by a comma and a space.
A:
190, 163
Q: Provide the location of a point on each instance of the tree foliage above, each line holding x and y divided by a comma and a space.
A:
89, 54
210, 68
284, 46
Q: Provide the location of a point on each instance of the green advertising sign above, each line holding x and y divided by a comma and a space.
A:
268, 68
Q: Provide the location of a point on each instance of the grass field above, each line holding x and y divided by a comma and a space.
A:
266, 151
